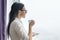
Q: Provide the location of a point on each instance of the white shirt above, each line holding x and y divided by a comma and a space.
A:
17, 31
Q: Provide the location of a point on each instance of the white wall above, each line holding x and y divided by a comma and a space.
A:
46, 14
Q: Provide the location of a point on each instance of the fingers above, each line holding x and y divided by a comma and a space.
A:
31, 22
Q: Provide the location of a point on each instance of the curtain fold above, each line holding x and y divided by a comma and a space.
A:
3, 5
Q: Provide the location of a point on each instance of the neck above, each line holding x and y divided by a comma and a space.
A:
18, 17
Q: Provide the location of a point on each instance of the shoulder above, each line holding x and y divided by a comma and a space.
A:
16, 23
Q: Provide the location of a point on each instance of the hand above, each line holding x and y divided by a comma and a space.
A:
31, 23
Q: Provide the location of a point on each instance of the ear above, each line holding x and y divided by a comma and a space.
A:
19, 12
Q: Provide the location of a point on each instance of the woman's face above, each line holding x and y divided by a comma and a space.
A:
23, 12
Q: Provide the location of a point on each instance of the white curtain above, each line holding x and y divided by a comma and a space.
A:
15, 0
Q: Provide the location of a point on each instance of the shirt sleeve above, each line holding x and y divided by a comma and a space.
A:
20, 31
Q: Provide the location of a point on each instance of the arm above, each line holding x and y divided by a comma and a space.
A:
30, 33
31, 23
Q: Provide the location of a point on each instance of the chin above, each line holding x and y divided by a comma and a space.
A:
24, 17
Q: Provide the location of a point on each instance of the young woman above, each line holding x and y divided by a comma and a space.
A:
15, 27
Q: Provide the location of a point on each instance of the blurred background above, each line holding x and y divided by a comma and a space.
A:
46, 14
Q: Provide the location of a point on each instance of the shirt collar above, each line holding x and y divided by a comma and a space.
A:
18, 19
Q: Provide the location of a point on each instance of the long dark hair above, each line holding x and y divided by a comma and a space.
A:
13, 13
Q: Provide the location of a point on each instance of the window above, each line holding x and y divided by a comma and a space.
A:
46, 15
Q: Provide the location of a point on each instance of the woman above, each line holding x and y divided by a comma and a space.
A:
15, 27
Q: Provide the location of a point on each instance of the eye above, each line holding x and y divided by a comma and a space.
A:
24, 10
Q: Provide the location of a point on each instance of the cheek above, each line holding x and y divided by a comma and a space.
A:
23, 14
